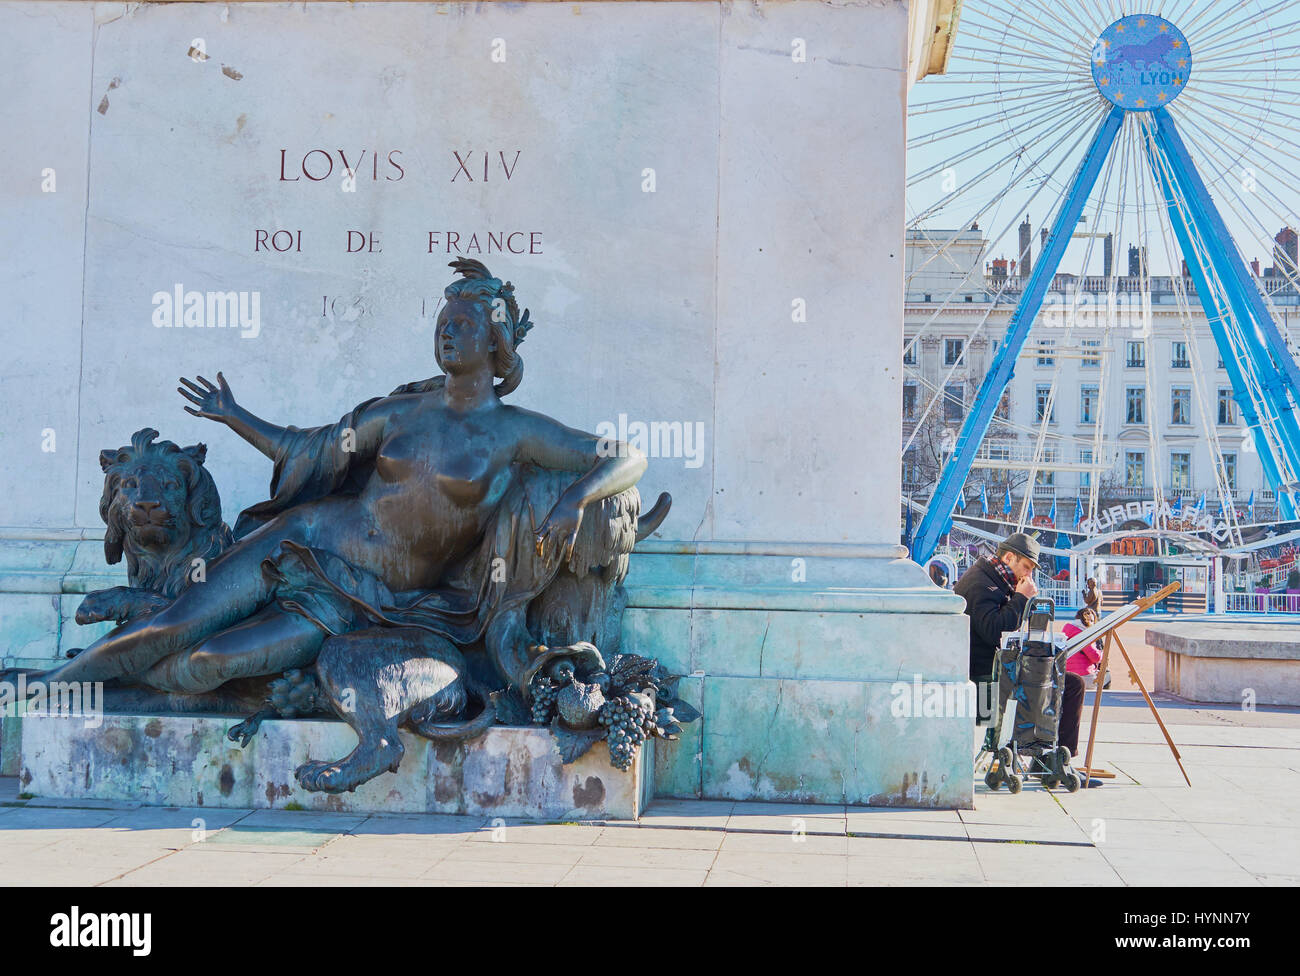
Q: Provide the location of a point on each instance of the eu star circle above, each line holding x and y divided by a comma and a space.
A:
1141, 62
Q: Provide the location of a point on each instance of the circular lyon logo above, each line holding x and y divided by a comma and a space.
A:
1141, 62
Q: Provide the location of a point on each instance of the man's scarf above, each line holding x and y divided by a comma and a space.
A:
1004, 571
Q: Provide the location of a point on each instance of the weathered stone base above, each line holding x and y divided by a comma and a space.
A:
1235, 662
174, 760
814, 689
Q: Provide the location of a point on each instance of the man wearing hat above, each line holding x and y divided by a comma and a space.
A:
996, 590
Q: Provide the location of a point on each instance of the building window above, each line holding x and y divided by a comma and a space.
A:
1180, 470
1221, 366
1230, 470
909, 352
1091, 354
1046, 352
953, 350
1227, 407
927, 297
1135, 398
1135, 469
1178, 359
954, 401
1136, 354
1180, 407
911, 468
1088, 403
1047, 475
1085, 477
1042, 396
909, 401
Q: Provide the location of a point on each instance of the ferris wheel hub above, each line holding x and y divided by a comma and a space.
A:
1141, 62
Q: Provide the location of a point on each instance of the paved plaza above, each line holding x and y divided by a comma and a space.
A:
1236, 825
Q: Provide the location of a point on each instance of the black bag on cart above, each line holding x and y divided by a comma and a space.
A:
1029, 678
1031, 674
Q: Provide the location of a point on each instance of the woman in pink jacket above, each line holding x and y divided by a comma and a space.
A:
1084, 661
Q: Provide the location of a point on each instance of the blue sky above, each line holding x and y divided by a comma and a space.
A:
1021, 72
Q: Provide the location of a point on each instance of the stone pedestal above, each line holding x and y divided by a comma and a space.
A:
1237, 663
812, 666
186, 760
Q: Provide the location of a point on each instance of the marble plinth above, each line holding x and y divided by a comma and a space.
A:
186, 760
1245, 663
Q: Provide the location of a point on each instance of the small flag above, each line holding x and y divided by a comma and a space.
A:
1006, 505
1250, 507
1078, 512
984, 502
1149, 517
1051, 516
1177, 507
1200, 506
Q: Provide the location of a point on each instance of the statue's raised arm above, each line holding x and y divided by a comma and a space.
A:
217, 402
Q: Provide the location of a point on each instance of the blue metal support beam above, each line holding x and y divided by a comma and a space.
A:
1003, 367
1275, 367
1171, 143
1217, 315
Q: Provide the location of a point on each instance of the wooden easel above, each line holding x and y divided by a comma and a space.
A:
1143, 604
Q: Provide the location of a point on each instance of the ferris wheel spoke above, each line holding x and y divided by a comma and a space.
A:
953, 294
1239, 56
1249, 144
1273, 113
1011, 184
1050, 108
1199, 32
1282, 216
1072, 43
957, 102
1206, 37
1033, 43
1043, 118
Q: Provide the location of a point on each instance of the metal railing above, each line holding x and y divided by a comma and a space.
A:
1261, 602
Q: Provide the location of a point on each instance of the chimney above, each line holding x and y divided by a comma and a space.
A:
1137, 260
1108, 255
1026, 242
1254, 266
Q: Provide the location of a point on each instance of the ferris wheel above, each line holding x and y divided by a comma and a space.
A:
1172, 123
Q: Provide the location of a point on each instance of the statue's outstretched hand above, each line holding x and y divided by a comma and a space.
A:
213, 402
559, 532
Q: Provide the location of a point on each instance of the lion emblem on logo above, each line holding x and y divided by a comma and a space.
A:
163, 513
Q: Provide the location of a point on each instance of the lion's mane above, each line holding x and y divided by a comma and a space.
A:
162, 567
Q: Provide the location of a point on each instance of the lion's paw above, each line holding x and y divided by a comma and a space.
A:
363, 764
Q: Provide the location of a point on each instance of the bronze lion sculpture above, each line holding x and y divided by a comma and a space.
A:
163, 513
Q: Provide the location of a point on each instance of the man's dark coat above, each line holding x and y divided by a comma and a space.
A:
994, 607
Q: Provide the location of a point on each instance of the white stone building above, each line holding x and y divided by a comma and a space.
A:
1138, 396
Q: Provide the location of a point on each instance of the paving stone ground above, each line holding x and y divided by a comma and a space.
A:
1238, 824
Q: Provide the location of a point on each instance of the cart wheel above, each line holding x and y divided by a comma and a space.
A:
1071, 782
1063, 757
1006, 758
1048, 782
1015, 783
992, 781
